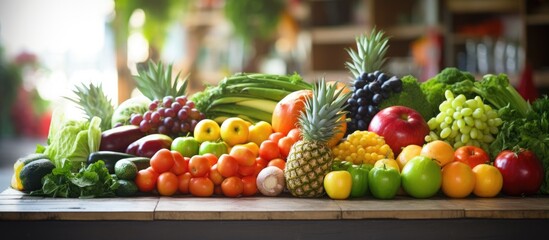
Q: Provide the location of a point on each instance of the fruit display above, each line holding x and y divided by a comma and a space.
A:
256, 134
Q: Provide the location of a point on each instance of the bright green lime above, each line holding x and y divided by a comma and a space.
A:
126, 188
125, 169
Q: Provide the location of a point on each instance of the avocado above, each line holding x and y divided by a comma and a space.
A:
31, 175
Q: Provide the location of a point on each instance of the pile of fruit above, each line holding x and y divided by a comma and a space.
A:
261, 134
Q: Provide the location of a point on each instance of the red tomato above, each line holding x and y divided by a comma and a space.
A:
249, 185
247, 170
276, 136
295, 134
167, 184
199, 166
232, 187
201, 187
146, 179
522, 172
162, 161
227, 165
279, 163
269, 150
211, 157
184, 180
261, 162
180, 166
471, 155
285, 144
215, 176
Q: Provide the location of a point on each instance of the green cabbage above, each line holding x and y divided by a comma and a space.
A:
71, 139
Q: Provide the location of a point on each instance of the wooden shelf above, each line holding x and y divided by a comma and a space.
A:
537, 19
541, 78
410, 31
335, 35
483, 6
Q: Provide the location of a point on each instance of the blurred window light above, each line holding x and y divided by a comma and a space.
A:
71, 38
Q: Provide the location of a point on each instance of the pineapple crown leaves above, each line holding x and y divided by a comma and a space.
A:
370, 53
155, 81
323, 112
94, 102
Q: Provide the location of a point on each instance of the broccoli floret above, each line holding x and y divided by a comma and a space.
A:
411, 96
453, 79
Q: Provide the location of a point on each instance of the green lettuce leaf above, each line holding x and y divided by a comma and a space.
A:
72, 139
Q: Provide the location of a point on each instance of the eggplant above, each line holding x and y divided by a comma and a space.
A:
119, 138
148, 145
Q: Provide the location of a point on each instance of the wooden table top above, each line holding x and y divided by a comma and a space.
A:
15, 205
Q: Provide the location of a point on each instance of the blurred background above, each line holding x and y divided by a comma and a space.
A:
48, 47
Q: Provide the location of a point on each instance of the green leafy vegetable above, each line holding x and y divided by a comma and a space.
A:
91, 181
411, 96
529, 132
73, 140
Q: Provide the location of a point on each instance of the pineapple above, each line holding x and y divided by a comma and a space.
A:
155, 82
371, 86
93, 101
370, 54
310, 159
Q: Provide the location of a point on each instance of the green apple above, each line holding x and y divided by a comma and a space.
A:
187, 146
217, 148
421, 177
206, 130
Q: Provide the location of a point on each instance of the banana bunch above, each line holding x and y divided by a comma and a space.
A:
252, 97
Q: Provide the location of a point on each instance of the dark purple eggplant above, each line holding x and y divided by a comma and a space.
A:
147, 146
119, 138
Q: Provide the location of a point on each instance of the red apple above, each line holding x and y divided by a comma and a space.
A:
400, 126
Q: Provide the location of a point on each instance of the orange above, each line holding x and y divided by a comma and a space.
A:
489, 181
407, 153
438, 150
458, 180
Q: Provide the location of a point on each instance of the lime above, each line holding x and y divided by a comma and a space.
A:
126, 188
125, 169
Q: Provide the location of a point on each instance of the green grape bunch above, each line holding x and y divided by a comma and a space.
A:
464, 122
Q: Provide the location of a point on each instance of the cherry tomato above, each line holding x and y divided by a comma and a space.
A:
249, 185
146, 179
227, 165
279, 163
162, 161
269, 150
215, 176
232, 186
201, 187
167, 184
199, 166
458, 180
183, 181
285, 144
180, 166
471, 155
